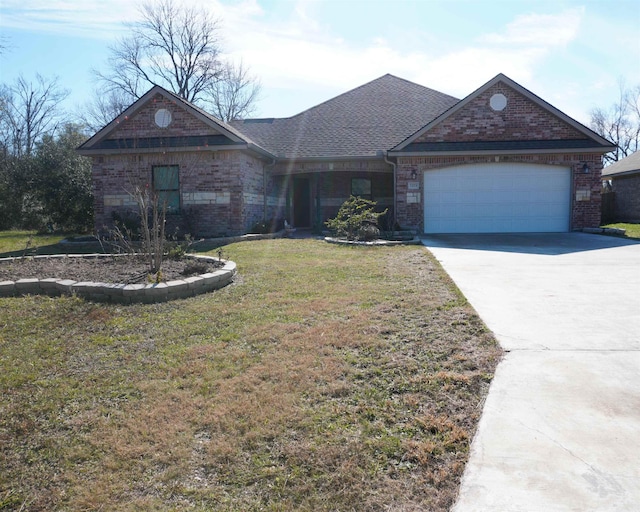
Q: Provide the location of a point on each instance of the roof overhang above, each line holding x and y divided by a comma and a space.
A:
335, 158
623, 174
627, 166
261, 153
499, 152
286, 161
532, 147
181, 149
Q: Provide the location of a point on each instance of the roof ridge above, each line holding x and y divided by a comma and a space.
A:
334, 98
361, 121
420, 85
367, 84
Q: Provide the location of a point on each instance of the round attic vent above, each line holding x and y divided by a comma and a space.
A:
163, 118
498, 102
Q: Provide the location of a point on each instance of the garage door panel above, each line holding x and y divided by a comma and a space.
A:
554, 209
500, 197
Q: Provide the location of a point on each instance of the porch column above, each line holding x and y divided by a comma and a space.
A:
318, 210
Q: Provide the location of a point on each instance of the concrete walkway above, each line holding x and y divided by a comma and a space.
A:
560, 430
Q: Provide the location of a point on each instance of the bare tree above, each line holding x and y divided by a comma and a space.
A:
620, 123
103, 109
177, 47
633, 102
233, 96
4, 44
29, 110
6, 128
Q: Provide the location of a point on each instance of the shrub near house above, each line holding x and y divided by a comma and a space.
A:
357, 220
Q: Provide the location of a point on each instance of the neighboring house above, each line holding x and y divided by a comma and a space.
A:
624, 176
499, 160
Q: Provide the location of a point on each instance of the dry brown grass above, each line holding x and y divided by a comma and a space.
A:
325, 378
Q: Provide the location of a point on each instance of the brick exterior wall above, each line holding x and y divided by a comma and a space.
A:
142, 123
627, 198
252, 174
585, 188
520, 120
221, 192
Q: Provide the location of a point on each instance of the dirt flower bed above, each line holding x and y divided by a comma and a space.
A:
121, 269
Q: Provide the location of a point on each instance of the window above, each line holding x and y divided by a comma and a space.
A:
361, 187
167, 185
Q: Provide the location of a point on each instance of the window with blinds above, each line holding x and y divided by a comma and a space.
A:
166, 183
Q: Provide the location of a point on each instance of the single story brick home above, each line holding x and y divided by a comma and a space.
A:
624, 177
500, 160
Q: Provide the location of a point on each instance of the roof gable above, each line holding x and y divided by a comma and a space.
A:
358, 123
190, 127
501, 116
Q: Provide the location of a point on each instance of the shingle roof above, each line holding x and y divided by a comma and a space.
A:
628, 165
226, 126
375, 116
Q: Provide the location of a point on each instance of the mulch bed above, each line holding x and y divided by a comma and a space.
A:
129, 269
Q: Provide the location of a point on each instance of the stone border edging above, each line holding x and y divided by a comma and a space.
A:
224, 240
121, 293
340, 241
605, 231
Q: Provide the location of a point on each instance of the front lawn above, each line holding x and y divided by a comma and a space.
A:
25, 241
29, 243
633, 230
325, 378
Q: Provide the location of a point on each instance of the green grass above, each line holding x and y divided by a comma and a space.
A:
11, 241
633, 230
324, 378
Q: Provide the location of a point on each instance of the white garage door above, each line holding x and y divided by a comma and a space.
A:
497, 198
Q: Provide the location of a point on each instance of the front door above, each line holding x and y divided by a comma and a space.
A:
301, 203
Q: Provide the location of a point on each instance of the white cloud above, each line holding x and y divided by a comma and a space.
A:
285, 52
546, 30
93, 19
290, 47
298, 52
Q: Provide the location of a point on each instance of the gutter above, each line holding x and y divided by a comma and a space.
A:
484, 152
163, 149
254, 147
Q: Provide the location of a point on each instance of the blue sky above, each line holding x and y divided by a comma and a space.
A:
571, 53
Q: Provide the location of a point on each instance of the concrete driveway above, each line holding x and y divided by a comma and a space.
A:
560, 430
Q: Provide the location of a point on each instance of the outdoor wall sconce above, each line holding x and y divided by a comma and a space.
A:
586, 169
414, 175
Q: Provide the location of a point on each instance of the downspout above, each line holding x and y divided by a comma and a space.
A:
395, 188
